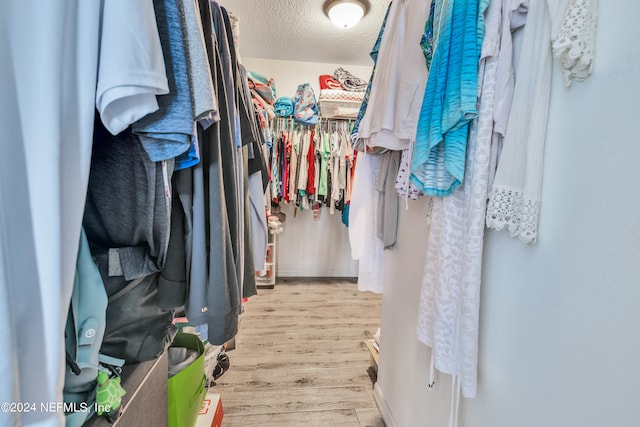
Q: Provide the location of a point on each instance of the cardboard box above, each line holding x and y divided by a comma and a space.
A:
211, 412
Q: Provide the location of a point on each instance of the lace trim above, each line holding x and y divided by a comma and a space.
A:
510, 209
575, 42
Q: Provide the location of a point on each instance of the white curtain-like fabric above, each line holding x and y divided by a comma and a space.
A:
448, 316
49, 56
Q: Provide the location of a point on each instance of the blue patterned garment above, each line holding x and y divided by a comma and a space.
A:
426, 42
449, 104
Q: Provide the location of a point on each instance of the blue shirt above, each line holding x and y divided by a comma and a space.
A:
167, 132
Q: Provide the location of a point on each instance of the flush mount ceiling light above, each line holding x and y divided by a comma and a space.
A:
346, 13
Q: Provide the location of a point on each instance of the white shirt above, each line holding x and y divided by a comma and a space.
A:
132, 70
391, 119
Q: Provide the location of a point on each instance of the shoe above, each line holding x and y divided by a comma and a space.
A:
222, 366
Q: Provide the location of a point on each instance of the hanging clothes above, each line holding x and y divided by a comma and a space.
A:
514, 202
314, 165
398, 85
258, 179
449, 104
132, 66
365, 245
388, 201
311, 162
293, 165
405, 188
248, 283
123, 179
204, 104
334, 171
44, 169
448, 314
303, 174
214, 293
167, 133
575, 39
514, 16
324, 152
365, 101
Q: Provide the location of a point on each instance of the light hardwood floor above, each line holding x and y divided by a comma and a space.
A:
299, 358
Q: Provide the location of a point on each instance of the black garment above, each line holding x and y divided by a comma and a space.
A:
226, 90
127, 222
214, 292
128, 204
172, 283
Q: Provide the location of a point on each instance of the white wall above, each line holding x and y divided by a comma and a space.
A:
560, 320
309, 248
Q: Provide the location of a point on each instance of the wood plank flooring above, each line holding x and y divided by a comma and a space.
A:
299, 358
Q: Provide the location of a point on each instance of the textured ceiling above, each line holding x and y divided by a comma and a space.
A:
299, 30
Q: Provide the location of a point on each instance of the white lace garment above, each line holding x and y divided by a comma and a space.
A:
574, 43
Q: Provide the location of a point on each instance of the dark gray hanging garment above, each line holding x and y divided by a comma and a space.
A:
229, 140
214, 296
224, 32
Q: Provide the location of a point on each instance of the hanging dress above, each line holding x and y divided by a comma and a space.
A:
514, 202
448, 314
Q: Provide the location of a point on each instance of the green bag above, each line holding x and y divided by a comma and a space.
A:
187, 388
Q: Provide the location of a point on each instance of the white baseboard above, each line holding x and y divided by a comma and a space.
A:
316, 273
384, 409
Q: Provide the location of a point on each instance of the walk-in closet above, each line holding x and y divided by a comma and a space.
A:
358, 213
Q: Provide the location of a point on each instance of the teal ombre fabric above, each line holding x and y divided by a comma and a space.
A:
449, 103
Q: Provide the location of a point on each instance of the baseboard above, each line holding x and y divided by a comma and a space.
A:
384, 409
289, 279
315, 272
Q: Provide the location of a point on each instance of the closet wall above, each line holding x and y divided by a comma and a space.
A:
309, 248
559, 320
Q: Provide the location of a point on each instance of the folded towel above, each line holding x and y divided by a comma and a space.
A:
349, 81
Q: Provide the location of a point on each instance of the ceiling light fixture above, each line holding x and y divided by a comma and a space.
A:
346, 13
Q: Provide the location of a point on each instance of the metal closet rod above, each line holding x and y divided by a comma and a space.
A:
289, 123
